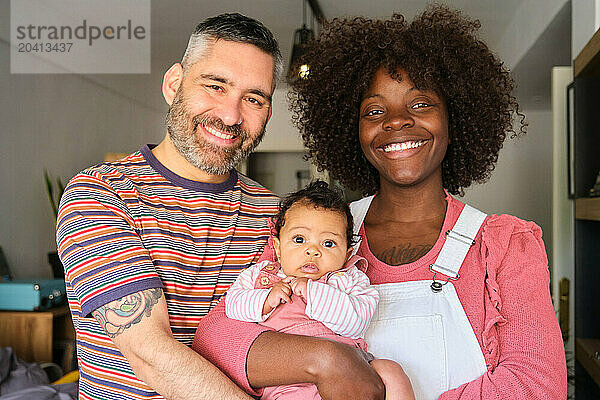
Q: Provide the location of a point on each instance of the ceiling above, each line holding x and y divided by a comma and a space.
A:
172, 22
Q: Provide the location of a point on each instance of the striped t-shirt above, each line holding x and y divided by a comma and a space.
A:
133, 225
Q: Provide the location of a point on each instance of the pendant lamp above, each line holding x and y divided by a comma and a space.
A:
302, 36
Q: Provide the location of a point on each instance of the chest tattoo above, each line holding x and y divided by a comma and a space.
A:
403, 254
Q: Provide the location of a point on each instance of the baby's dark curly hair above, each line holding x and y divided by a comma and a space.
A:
440, 52
319, 195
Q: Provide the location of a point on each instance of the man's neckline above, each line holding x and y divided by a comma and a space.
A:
184, 182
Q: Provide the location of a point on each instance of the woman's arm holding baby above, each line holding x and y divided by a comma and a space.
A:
277, 358
254, 357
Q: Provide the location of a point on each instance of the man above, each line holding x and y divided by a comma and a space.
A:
150, 243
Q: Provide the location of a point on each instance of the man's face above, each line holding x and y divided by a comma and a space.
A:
221, 108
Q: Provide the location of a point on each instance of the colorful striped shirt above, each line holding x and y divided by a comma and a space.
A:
133, 225
343, 301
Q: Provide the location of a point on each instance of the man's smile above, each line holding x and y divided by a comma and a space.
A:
219, 134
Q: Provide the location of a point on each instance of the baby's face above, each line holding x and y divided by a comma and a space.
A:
312, 242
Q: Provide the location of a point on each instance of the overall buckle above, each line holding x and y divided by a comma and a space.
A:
437, 286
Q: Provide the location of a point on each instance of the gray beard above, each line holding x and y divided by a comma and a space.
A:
201, 154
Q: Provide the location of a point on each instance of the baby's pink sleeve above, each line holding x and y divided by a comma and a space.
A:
243, 302
225, 343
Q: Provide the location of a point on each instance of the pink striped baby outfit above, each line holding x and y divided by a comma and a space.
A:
338, 306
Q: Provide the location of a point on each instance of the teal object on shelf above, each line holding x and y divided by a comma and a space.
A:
32, 294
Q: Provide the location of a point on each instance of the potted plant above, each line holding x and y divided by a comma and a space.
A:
53, 259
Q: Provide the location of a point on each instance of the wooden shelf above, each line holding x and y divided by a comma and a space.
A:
32, 333
587, 62
586, 352
587, 209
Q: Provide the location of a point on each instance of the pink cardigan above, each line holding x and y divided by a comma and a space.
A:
504, 290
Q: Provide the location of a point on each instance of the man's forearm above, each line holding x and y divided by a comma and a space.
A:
139, 326
177, 372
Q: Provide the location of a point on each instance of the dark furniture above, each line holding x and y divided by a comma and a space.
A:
587, 221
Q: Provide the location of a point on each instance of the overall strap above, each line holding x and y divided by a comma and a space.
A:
267, 276
359, 210
458, 242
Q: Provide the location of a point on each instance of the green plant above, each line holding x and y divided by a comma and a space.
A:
54, 200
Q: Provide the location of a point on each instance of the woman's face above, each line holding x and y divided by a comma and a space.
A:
403, 131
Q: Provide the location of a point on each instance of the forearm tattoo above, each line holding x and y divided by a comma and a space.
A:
399, 255
120, 314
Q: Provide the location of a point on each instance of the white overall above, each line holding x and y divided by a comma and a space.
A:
427, 331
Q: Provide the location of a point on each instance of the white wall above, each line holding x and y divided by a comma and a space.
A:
529, 21
62, 123
586, 21
563, 256
277, 170
562, 206
281, 135
597, 20
521, 184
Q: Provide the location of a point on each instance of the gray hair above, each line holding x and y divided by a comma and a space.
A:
236, 28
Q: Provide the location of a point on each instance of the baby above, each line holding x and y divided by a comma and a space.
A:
316, 287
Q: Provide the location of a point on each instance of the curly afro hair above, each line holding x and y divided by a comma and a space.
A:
440, 52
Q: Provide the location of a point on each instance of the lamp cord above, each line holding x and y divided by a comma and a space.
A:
304, 13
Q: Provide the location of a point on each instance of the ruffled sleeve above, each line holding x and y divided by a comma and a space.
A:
521, 339
496, 238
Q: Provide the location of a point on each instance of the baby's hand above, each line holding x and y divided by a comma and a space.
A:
299, 286
279, 294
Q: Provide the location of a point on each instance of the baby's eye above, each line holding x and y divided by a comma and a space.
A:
298, 239
329, 243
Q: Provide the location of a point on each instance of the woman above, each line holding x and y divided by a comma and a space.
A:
412, 114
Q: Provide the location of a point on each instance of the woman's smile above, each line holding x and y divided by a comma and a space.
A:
408, 145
